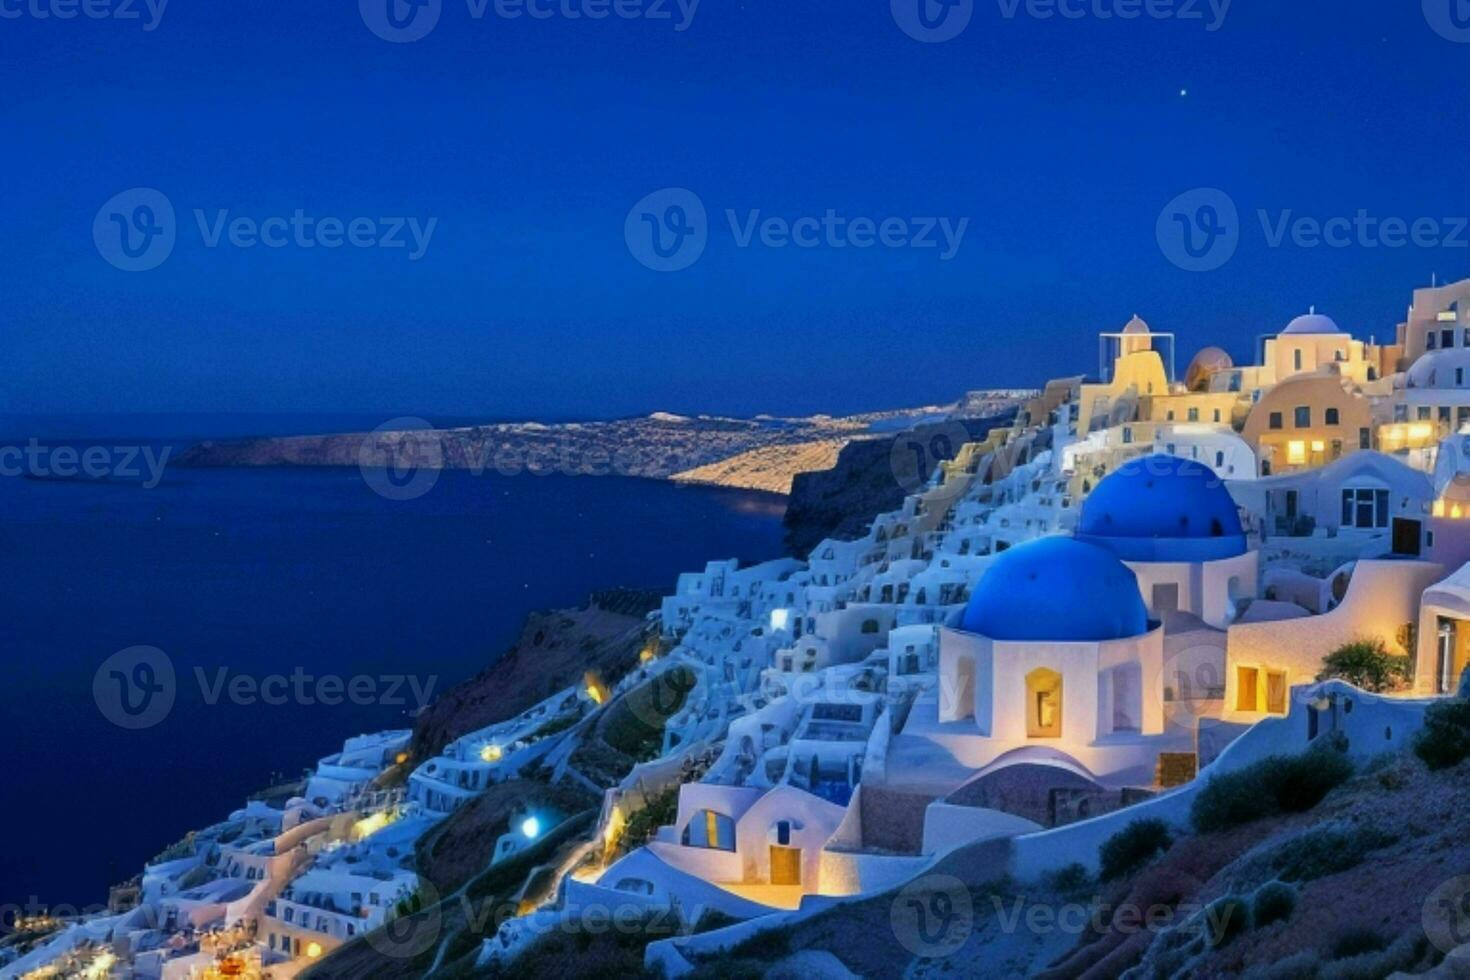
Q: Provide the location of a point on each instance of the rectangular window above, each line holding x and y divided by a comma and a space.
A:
1422, 413
1275, 420
1303, 418
1446, 339
1194, 415
1332, 417
1365, 439
1429, 341
1297, 358
1296, 452
1245, 695
1217, 415
1365, 509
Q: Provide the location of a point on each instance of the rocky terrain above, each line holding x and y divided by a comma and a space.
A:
555, 649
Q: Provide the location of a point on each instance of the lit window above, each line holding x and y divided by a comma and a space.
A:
1296, 452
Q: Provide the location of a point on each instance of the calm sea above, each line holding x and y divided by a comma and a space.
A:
275, 573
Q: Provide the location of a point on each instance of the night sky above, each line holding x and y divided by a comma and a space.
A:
1059, 140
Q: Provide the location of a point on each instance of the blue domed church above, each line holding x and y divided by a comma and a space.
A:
1056, 648
1174, 524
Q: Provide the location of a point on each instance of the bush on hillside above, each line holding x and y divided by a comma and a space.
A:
1325, 851
1226, 918
1367, 664
1444, 741
1133, 847
1274, 785
1275, 901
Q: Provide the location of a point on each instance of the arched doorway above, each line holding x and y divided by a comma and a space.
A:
1043, 704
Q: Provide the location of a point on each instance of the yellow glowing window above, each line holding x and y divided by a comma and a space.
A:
1296, 451
1439, 508
1318, 446
490, 753
1420, 431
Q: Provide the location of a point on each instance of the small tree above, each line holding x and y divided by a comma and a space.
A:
1444, 741
1133, 847
1368, 664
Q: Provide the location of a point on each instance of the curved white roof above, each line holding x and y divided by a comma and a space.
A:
1436, 369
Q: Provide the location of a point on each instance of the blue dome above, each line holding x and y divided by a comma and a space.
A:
1313, 322
1163, 508
1057, 590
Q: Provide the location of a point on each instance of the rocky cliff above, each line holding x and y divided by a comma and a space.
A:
841, 502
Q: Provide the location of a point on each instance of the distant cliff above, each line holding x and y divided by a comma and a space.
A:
841, 502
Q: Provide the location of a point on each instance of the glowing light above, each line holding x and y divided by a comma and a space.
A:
531, 828
1456, 512
1420, 430
368, 826
401, 758
1439, 508
780, 618
313, 950
1296, 452
491, 753
1318, 446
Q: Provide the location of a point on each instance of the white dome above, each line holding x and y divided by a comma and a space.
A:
1312, 323
1437, 369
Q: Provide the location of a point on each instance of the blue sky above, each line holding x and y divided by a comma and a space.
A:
528, 141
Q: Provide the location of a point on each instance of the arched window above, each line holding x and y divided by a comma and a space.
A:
710, 829
1043, 704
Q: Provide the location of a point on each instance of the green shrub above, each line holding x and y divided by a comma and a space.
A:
1275, 901
1325, 851
1133, 847
1444, 741
1074, 879
1367, 664
1274, 785
1226, 918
